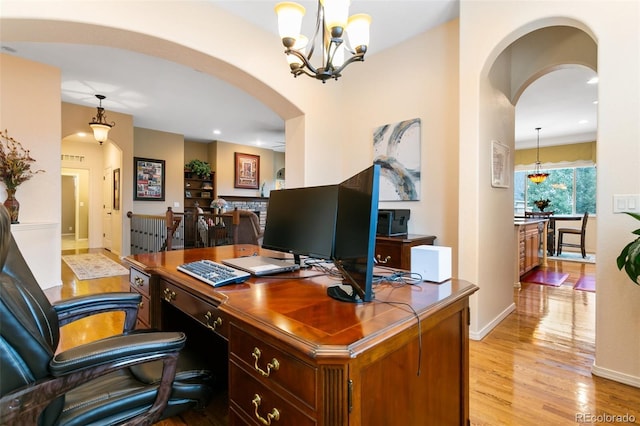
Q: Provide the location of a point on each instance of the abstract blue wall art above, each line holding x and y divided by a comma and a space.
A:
396, 147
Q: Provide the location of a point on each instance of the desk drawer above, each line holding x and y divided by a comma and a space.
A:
205, 313
273, 366
139, 281
251, 399
389, 254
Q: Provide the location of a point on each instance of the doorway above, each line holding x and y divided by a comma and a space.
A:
74, 213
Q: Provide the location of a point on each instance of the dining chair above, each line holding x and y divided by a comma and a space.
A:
574, 231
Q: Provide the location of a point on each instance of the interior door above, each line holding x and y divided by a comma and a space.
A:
107, 185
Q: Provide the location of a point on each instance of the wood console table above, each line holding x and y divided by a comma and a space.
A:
292, 353
395, 252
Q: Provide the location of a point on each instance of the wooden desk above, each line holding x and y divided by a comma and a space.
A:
294, 353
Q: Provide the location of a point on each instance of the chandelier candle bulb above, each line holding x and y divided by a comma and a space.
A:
289, 22
358, 31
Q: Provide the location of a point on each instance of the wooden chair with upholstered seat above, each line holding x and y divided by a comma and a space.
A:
573, 231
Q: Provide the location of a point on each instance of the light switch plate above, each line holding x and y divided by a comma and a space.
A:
626, 203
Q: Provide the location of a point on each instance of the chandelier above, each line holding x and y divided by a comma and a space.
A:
331, 24
99, 123
538, 176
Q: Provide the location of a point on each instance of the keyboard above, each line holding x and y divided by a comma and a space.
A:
212, 273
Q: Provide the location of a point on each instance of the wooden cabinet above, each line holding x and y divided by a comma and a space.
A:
197, 189
395, 252
528, 247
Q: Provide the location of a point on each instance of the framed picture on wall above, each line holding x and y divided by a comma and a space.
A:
499, 165
116, 189
149, 180
247, 171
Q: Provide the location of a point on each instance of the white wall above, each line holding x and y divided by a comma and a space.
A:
615, 26
30, 112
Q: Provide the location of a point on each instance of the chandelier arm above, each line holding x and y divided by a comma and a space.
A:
358, 57
303, 58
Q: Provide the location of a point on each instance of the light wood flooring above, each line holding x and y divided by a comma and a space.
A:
534, 368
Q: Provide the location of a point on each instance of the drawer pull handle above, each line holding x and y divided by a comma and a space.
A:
140, 305
138, 281
273, 415
386, 259
216, 323
169, 295
273, 365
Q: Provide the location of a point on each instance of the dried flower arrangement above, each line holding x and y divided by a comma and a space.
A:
15, 162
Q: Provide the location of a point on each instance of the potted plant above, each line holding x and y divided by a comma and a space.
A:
201, 168
542, 204
15, 168
629, 257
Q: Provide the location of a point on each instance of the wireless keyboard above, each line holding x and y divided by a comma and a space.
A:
214, 274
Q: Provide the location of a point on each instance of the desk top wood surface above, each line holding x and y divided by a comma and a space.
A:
297, 310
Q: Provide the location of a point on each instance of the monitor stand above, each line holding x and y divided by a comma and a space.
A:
336, 292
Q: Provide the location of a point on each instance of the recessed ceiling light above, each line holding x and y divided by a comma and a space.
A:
593, 80
258, 142
583, 121
595, 102
216, 132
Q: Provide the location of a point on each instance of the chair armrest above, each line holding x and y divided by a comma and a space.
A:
116, 349
87, 362
79, 307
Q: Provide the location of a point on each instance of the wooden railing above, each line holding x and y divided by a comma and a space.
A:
175, 231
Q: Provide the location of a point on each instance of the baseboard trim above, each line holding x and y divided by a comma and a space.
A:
479, 335
615, 376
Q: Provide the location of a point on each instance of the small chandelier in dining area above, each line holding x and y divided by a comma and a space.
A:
538, 176
99, 123
332, 22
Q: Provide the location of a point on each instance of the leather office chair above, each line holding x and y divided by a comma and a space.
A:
136, 377
551, 233
248, 229
581, 232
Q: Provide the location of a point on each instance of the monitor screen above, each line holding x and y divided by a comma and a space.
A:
302, 221
355, 234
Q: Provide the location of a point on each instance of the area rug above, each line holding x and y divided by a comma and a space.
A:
586, 283
551, 278
574, 257
93, 265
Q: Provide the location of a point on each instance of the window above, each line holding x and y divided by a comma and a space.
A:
571, 191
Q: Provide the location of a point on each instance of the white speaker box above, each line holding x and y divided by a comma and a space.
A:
433, 263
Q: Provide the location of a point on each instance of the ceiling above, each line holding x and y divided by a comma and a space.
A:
179, 99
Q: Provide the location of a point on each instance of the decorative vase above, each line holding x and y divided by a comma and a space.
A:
12, 205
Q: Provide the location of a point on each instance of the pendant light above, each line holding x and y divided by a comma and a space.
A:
99, 123
538, 176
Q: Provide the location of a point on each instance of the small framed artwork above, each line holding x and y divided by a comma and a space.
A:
247, 171
116, 189
149, 180
499, 165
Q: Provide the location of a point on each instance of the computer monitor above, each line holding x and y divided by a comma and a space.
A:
301, 221
355, 235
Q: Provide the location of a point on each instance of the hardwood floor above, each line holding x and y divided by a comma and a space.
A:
534, 368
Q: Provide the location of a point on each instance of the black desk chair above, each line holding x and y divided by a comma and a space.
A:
551, 234
136, 377
581, 232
